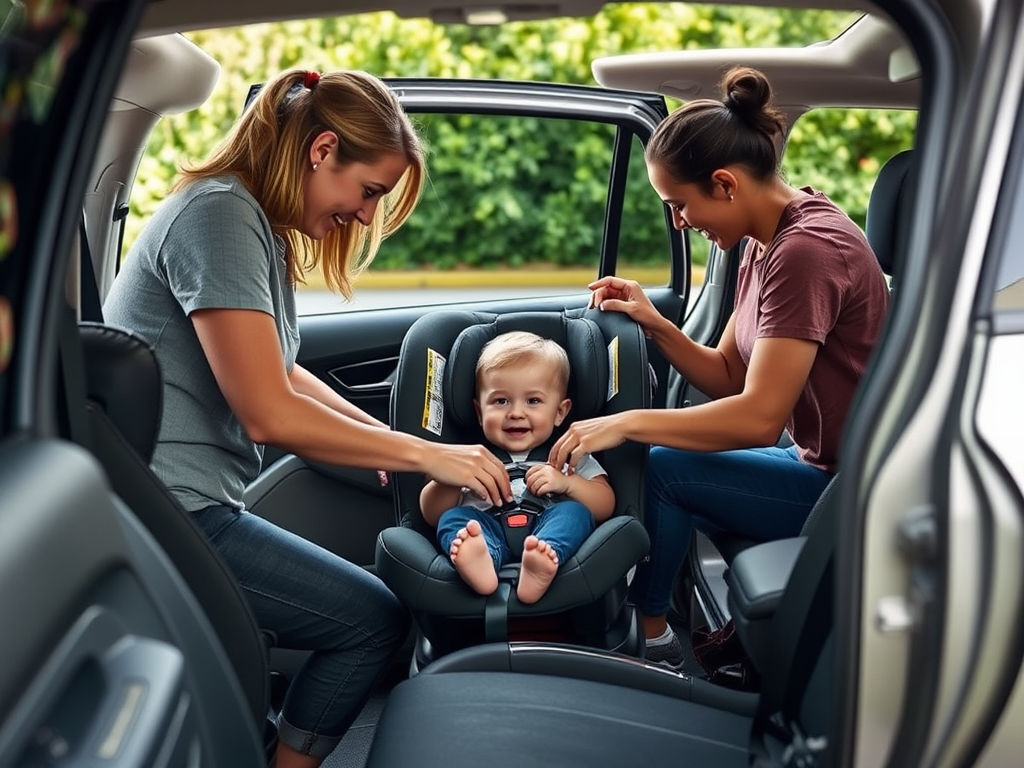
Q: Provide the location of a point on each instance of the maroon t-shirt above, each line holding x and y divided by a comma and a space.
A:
817, 280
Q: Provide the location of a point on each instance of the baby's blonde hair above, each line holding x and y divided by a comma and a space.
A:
518, 347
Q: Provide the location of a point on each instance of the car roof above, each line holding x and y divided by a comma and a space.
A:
869, 64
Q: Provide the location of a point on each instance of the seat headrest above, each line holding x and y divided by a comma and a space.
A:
122, 376
888, 215
578, 336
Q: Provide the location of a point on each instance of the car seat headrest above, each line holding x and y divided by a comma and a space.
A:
888, 215
580, 337
123, 377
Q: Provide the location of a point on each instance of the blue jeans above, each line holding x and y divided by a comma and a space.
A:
759, 493
315, 601
564, 526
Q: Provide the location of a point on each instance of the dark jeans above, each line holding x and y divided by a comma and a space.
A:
760, 493
312, 600
564, 526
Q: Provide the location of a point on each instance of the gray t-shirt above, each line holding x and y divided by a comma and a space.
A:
208, 246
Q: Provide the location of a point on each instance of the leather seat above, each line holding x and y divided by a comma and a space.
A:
531, 704
586, 602
124, 404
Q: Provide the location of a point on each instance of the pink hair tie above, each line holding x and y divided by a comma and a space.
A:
311, 79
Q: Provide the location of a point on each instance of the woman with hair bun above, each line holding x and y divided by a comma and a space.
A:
318, 171
810, 304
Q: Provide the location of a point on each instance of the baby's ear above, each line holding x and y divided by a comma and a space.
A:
563, 411
479, 413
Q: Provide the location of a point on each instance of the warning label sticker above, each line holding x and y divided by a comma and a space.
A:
433, 406
613, 368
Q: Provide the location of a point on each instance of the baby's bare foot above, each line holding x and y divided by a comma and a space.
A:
540, 564
472, 559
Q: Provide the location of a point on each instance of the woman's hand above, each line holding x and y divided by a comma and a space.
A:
542, 479
613, 294
473, 467
588, 436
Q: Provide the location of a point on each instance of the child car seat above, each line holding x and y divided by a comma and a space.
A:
432, 398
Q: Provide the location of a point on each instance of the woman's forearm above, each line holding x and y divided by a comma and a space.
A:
705, 368
306, 383
721, 425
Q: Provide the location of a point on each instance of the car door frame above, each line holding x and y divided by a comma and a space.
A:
105, 652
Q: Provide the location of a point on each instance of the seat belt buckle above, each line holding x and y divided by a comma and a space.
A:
802, 751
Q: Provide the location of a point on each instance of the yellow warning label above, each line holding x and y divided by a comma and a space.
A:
613, 368
433, 405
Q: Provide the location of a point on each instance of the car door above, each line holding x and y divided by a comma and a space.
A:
105, 657
469, 126
930, 635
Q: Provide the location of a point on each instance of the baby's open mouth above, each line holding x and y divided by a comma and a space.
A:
517, 431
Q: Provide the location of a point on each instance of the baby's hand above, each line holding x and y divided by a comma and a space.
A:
543, 479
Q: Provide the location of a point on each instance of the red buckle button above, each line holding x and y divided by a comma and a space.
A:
516, 521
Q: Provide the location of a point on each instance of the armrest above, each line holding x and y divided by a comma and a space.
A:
758, 577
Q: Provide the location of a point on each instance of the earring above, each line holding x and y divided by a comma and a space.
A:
315, 166
730, 198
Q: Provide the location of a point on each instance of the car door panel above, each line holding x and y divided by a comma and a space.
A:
107, 657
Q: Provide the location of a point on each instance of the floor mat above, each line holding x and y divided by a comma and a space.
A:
355, 746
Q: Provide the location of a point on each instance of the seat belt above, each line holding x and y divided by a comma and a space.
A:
71, 381
801, 627
89, 293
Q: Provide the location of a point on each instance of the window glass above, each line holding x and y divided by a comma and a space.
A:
1009, 288
514, 207
644, 252
37, 40
840, 152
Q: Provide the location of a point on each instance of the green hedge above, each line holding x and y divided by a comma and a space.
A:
543, 200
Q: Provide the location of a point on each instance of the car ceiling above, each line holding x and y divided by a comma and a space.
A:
868, 65
165, 16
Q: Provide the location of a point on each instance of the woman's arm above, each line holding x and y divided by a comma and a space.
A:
244, 353
755, 417
717, 372
305, 383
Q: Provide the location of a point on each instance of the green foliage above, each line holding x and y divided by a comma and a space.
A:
512, 191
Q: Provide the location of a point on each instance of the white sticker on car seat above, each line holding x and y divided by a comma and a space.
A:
433, 406
613, 368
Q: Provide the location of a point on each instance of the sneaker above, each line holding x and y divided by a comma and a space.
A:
669, 655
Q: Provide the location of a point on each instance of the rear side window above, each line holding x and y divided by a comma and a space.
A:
514, 207
1009, 282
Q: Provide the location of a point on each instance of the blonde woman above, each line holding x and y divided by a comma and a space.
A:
318, 171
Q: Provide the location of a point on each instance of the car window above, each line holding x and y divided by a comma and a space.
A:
36, 42
514, 207
1009, 286
643, 256
840, 152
